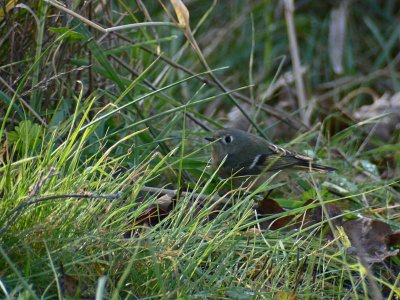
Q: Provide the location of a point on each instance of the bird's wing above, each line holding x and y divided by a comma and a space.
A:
275, 158
286, 153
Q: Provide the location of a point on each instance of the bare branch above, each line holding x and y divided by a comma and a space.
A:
16, 212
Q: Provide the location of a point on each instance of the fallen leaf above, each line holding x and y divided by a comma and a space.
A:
270, 207
311, 216
384, 112
330, 208
319, 214
393, 239
154, 214
371, 239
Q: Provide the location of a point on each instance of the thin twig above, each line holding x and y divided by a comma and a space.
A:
45, 82
110, 29
18, 210
76, 15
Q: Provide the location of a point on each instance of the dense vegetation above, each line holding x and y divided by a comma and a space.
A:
106, 189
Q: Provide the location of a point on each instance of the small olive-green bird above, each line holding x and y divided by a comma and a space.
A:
247, 154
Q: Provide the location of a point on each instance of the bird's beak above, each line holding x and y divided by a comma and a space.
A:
210, 139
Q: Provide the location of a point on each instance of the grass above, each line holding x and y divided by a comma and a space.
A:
97, 127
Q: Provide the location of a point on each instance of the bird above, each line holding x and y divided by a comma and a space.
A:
238, 153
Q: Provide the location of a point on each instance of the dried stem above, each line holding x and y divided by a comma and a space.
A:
294, 52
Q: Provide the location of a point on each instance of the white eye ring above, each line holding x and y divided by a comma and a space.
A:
227, 139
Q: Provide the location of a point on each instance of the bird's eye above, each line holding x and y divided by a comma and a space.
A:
228, 139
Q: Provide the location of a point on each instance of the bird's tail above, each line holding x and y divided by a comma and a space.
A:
316, 168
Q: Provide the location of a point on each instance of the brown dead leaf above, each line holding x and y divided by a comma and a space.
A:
311, 216
318, 214
371, 239
150, 217
154, 214
182, 13
389, 107
270, 207
331, 209
393, 239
